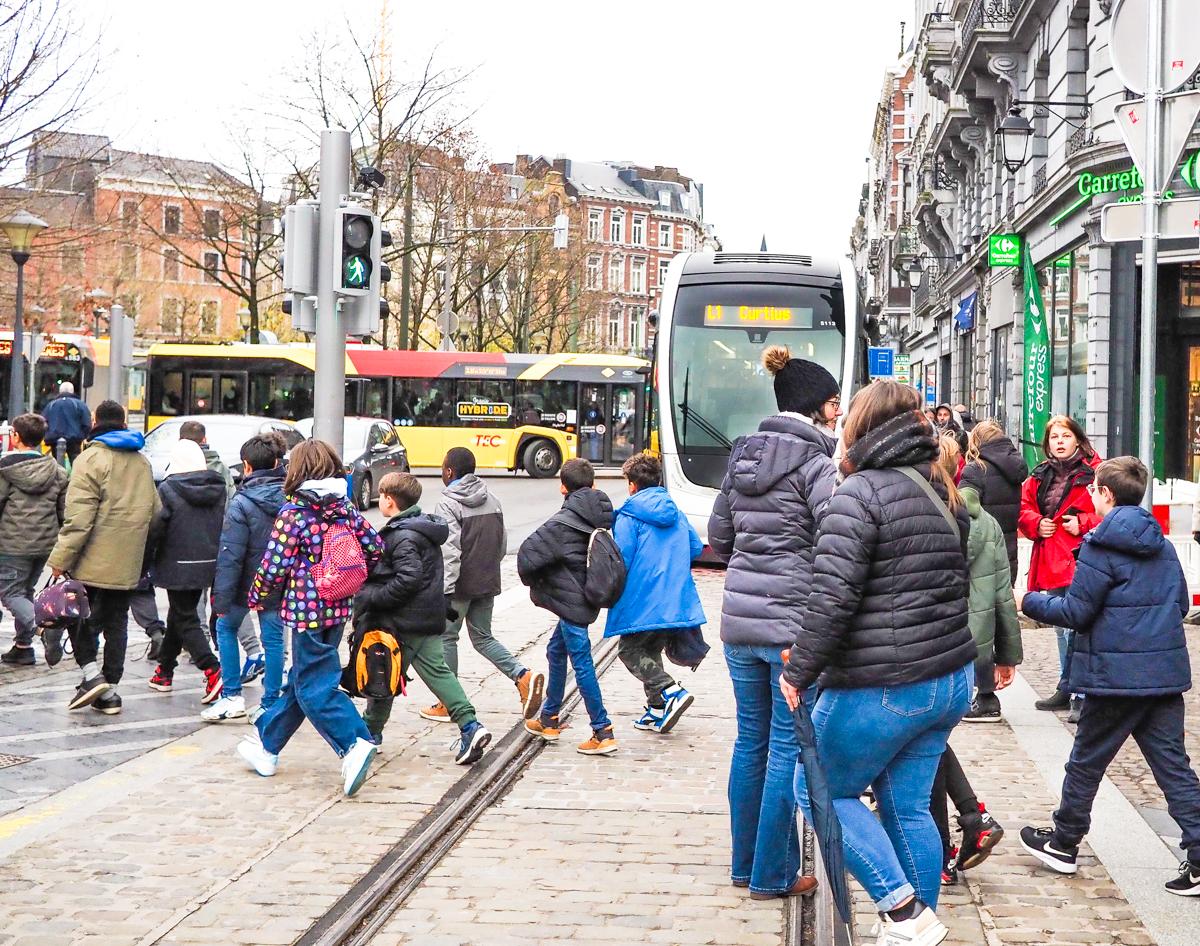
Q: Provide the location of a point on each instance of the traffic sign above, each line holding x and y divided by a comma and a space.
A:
881, 362
1177, 220
1180, 43
1004, 249
1179, 118
447, 323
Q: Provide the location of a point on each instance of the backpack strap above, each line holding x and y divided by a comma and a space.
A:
932, 494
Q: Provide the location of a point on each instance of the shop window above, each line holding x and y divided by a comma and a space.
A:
1066, 299
998, 386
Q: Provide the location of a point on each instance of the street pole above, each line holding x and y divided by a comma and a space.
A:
1150, 203
116, 345
406, 260
16, 386
447, 342
329, 384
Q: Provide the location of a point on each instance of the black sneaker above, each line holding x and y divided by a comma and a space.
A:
950, 870
87, 692
108, 703
52, 644
1076, 709
985, 708
980, 835
1040, 843
19, 656
1187, 884
1060, 701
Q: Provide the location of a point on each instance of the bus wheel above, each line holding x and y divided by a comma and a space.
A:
542, 459
363, 499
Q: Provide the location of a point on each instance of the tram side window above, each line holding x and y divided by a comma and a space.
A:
427, 402
487, 396
284, 396
367, 397
172, 393
549, 403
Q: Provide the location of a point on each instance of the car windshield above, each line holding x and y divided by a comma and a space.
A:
354, 437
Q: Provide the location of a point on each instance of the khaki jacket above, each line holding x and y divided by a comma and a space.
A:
111, 501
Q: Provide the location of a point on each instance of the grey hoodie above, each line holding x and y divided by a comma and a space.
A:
477, 543
33, 492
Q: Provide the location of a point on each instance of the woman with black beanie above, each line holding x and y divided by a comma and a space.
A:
764, 524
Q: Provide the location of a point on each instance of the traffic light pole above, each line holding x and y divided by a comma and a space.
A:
329, 385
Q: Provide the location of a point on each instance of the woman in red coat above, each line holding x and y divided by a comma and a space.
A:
1056, 513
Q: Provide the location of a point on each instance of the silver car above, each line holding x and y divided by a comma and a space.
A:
225, 433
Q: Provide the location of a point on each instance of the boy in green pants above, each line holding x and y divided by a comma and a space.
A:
404, 596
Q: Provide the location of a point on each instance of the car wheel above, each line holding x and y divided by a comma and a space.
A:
362, 497
542, 459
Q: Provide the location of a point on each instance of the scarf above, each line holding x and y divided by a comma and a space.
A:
1061, 473
905, 440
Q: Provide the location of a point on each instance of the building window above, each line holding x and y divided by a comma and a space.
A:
664, 235
212, 224
998, 388
209, 310
72, 261
614, 326
593, 272
129, 261
212, 264
172, 215
171, 267
171, 322
637, 276
595, 222
129, 212
616, 274
1066, 296
638, 235
637, 319
964, 394
662, 272
689, 239
616, 227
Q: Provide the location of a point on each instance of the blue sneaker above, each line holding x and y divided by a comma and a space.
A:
678, 700
469, 748
651, 720
253, 668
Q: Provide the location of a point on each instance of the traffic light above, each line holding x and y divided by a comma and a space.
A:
363, 310
301, 235
356, 260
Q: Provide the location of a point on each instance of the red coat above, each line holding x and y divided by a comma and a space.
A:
1052, 564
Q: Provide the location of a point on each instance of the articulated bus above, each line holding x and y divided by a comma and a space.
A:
80, 359
718, 313
528, 412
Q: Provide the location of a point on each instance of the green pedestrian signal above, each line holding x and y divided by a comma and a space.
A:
357, 256
356, 273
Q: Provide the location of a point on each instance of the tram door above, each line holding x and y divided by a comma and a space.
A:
610, 425
216, 392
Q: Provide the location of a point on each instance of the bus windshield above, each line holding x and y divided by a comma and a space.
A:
719, 388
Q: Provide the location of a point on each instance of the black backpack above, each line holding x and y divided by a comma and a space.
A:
604, 580
376, 667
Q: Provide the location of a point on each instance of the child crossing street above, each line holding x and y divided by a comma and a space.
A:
660, 599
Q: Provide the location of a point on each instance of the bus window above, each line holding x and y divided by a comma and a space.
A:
367, 397
284, 396
484, 402
200, 394
172, 393
551, 403
426, 402
623, 421
233, 394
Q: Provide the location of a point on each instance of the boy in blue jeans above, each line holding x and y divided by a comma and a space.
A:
1126, 604
660, 599
553, 564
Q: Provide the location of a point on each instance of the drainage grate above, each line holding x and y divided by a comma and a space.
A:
6, 760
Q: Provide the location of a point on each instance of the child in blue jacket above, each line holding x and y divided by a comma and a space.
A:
660, 597
1126, 604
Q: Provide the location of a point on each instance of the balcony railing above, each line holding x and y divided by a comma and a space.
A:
988, 14
1039, 180
1082, 139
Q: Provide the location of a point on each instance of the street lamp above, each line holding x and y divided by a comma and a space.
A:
244, 321
98, 299
21, 229
915, 274
1014, 132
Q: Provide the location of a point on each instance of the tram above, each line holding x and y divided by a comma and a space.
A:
718, 312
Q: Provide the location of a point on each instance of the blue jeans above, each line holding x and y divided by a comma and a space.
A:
270, 626
571, 641
890, 738
762, 803
312, 693
19, 576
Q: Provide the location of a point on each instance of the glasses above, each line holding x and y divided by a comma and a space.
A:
836, 402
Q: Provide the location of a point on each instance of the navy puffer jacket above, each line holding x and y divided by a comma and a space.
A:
1127, 602
889, 599
764, 524
244, 536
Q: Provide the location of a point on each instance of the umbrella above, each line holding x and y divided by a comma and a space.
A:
824, 818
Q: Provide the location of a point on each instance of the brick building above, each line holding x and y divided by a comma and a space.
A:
148, 231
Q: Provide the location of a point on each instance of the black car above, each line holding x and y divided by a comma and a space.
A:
371, 449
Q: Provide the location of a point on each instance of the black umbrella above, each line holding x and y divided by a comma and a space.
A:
824, 818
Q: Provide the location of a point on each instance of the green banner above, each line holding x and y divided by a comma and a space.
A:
1037, 367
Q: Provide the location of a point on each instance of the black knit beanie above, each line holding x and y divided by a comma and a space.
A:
800, 386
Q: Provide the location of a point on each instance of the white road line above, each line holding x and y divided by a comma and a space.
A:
112, 749
125, 698
106, 728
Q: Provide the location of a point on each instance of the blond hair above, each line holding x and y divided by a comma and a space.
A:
985, 432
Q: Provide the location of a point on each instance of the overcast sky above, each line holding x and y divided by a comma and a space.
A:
769, 106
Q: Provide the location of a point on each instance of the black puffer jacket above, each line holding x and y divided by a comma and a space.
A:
890, 585
553, 561
186, 533
404, 594
764, 524
997, 477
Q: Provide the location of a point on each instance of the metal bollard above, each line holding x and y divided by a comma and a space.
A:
60, 451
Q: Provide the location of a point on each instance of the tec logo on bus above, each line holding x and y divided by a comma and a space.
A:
489, 440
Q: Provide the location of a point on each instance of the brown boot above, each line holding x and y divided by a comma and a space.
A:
530, 687
803, 887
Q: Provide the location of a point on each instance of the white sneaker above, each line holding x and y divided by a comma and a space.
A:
924, 929
254, 713
254, 755
227, 707
355, 764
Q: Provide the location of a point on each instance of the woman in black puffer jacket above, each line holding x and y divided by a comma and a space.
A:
996, 471
885, 633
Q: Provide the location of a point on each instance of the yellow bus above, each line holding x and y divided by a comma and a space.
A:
514, 412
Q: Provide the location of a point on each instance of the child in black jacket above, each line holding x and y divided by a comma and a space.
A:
404, 596
553, 563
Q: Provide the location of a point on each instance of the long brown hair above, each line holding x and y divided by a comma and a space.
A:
311, 460
878, 403
1062, 420
984, 432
